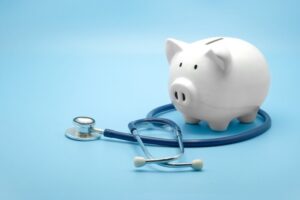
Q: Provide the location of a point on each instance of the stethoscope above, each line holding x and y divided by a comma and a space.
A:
84, 130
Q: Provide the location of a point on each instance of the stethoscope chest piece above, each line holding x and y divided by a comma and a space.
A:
84, 130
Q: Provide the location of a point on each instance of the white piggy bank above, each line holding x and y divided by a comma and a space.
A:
216, 80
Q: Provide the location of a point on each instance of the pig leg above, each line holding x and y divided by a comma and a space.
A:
249, 117
191, 120
218, 125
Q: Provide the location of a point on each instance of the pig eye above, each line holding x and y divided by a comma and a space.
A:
180, 64
195, 67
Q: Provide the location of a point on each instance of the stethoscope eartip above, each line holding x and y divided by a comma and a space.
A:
197, 164
139, 161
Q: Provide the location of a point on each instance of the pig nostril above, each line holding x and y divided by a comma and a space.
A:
176, 95
183, 96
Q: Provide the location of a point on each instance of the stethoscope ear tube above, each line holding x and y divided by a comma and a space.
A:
146, 139
155, 122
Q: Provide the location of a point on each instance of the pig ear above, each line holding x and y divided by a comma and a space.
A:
173, 47
220, 56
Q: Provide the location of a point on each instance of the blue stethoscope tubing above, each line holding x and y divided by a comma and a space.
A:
189, 143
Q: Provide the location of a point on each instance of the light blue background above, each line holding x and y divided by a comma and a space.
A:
60, 59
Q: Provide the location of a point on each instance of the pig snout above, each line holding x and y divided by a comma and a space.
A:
182, 91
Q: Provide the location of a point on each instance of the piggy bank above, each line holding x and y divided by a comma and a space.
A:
217, 80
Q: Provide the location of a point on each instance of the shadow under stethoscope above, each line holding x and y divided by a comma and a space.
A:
157, 168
